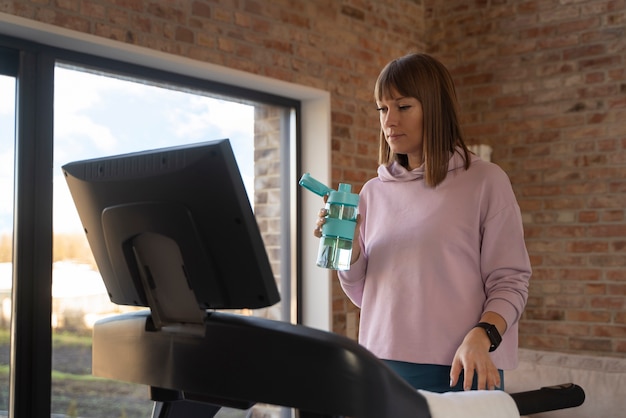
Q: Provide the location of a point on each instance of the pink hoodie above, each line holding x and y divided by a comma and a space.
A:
435, 259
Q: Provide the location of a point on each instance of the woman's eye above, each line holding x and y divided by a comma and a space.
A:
381, 109
405, 107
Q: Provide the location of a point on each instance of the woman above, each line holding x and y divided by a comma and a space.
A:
440, 246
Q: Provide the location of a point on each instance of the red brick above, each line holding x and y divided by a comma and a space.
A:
607, 231
200, 9
580, 25
544, 342
570, 260
577, 330
530, 191
564, 203
595, 345
588, 316
583, 51
616, 274
600, 62
547, 42
184, 35
545, 314
608, 302
587, 246
617, 289
614, 331
595, 289
542, 163
588, 216
613, 216
567, 301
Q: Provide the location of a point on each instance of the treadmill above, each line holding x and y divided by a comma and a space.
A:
172, 230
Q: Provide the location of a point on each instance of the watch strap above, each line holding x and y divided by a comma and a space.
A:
492, 332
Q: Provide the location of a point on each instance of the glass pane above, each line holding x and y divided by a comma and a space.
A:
7, 157
99, 115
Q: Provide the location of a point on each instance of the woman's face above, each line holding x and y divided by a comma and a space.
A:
401, 119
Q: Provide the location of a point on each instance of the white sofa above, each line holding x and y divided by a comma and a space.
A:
602, 378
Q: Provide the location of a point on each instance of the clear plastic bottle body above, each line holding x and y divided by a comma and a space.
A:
345, 212
335, 251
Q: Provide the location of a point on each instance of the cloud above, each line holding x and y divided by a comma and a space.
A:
78, 96
7, 89
7, 154
98, 115
65, 217
229, 119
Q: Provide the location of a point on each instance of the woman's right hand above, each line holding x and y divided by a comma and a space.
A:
321, 220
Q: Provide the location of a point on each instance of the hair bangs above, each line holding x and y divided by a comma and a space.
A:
391, 79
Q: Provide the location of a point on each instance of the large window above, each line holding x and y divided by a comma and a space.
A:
91, 108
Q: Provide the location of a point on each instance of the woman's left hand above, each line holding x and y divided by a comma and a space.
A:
472, 357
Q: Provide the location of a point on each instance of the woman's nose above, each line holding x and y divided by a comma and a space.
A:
390, 118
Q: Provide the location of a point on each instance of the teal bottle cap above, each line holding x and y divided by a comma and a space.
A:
314, 186
343, 196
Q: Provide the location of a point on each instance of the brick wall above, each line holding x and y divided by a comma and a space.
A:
541, 81
268, 121
544, 83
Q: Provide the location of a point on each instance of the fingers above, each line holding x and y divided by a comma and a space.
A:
321, 219
488, 377
469, 380
484, 379
455, 372
494, 381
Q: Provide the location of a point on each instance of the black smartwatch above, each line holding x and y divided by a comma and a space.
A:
492, 333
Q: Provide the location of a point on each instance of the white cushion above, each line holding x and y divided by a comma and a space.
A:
471, 404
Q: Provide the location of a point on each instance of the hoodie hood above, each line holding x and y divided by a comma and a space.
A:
395, 172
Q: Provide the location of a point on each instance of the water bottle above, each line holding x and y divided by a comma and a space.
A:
335, 249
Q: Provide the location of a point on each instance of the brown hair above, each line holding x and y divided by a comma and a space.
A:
426, 79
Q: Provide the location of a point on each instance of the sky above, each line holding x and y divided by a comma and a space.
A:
98, 116
7, 93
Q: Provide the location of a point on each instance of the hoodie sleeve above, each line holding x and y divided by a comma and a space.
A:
505, 264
